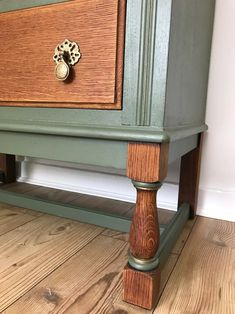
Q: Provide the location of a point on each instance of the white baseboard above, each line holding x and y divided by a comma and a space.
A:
211, 203
92, 183
216, 204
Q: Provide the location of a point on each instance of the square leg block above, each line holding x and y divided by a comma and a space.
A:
141, 288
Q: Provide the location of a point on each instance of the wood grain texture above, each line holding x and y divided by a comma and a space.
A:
119, 306
90, 279
203, 280
147, 162
31, 252
164, 217
20, 210
55, 195
103, 204
7, 165
87, 283
141, 288
189, 177
144, 233
124, 307
11, 219
28, 39
20, 187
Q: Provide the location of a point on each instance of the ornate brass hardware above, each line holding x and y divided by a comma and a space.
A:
66, 55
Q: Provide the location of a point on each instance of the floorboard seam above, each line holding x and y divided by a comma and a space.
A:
24, 223
178, 256
37, 283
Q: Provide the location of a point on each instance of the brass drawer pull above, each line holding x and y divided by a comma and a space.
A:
66, 55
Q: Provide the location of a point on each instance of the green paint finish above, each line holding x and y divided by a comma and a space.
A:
124, 133
59, 116
98, 218
160, 62
102, 153
132, 62
181, 147
86, 131
189, 55
12, 5
68, 211
87, 151
179, 133
146, 57
148, 19
172, 232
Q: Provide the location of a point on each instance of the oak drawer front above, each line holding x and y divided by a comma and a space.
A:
29, 37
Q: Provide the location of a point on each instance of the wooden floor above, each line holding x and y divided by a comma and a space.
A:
55, 265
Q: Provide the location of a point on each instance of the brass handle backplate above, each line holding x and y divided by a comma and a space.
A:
66, 55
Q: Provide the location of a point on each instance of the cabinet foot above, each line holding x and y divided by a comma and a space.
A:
141, 288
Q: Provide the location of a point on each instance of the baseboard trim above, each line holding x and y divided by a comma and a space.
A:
211, 203
216, 204
163, 201
92, 183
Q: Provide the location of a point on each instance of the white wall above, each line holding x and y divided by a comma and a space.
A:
217, 183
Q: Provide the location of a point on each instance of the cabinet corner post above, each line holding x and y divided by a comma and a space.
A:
147, 167
189, 177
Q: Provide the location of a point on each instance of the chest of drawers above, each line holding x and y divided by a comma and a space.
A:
133, 103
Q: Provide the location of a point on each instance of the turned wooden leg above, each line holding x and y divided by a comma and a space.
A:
142, 274
147, 166
143, 245
7, 168
189, 177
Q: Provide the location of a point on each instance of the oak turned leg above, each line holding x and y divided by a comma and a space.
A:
189, 177
147, 166
7, 168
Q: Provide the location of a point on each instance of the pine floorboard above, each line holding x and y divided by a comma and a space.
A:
11, 219
55, 265
203, 280
33, 250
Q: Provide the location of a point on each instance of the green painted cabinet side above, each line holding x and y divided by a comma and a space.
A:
188, 67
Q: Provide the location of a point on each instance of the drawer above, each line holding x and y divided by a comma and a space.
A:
28, 39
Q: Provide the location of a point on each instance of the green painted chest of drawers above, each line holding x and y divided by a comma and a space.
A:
133, 103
